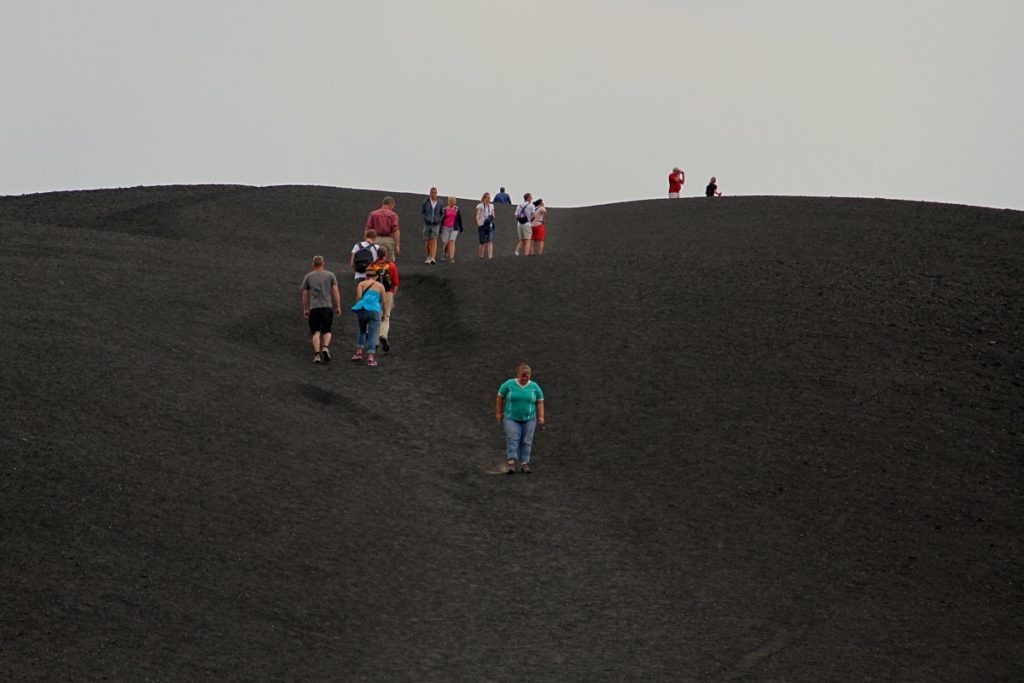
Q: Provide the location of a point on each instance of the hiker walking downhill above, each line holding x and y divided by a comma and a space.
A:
451, 227
519, 407
432, 213
485, 225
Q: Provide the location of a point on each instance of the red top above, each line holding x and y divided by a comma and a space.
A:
394, 272
383, 221
675, 184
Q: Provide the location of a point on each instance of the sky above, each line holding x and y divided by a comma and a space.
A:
579, 102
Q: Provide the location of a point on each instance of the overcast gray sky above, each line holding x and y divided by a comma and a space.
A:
581, 102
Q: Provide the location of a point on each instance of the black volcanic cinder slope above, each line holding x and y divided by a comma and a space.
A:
784, 442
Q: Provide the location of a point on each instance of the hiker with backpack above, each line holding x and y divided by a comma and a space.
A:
368, 307
524, 214
363, 254
387, 275
451, 226
321, 300
519, 408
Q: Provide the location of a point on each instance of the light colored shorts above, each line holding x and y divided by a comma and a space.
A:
525, 231
673, 195
449, 235
430, 232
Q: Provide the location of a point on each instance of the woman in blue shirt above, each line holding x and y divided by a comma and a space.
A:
368, 308
519, 407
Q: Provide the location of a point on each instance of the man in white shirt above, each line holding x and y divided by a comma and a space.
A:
524, 216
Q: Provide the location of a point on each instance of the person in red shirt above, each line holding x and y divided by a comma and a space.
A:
384, 222
675, 182
390, 284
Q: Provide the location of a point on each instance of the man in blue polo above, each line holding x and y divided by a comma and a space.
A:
502, 197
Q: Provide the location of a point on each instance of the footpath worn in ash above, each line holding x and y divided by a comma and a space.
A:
784, 442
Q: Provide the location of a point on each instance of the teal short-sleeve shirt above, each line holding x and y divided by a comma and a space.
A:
520, 401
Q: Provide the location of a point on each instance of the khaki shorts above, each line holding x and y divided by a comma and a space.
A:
389, 244
525, 231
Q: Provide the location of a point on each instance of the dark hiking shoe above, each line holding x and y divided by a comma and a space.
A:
526, 469
384, 344
325, 355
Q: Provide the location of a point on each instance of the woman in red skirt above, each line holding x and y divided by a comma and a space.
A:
538, 226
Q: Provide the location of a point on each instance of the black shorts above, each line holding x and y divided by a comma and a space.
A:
320, 320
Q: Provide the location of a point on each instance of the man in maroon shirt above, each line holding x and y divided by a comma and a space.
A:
675, 182
384, 221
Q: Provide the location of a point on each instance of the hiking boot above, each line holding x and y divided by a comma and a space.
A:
510, 467
384, 344
525, 469
316, 357
325, 355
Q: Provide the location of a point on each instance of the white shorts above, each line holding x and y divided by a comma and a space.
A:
525, 231
673, 195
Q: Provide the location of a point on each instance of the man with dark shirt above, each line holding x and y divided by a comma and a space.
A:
502, 197
712, 189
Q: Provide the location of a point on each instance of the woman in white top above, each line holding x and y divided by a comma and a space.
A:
485, 225
538, 226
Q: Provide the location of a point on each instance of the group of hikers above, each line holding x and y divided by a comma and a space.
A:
444, 223
676, 179
520, 402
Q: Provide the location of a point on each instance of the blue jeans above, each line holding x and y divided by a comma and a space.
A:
519, 438
369, 325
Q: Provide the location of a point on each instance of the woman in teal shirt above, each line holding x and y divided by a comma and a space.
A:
519, 407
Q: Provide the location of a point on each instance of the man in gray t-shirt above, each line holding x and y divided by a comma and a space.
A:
321, 300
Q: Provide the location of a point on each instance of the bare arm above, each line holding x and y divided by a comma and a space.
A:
336, 294
499, 407
385, 306
305, 303
540, 411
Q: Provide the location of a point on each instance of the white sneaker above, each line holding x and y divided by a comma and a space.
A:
427, 262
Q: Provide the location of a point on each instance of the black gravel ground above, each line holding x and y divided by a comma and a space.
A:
784, 442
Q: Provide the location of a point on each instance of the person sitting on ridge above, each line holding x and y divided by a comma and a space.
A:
712, 189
